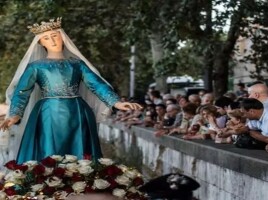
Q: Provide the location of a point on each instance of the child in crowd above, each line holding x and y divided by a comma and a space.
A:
222, 104
194, 129
235, 124
209, 125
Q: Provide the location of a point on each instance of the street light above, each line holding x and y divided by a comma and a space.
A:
132, 71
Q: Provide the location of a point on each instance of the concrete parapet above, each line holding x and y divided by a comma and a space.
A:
224, 171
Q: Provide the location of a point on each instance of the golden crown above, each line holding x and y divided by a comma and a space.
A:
45, 26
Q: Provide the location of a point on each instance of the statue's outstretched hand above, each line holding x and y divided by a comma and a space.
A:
9, 122
127, 106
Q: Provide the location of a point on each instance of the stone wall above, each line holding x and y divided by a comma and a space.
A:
224, 172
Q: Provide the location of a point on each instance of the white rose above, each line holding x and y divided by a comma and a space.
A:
3, 195
119, 193
68, 173
85, 170
10, 184
131, 173
48, 171
72, 167
31, 164
15, 177
133, 190
18, 174
54, 182
106, 161
37, 187
10, 177
101, 184
16, 197
61, 194
122, 180
2, 175
58, 158
79, 187
69, 158
123, 167
61, 165
30, 194
84, 162
41, 197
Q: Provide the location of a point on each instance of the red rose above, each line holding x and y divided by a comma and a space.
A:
113, 183
89, 189
87, 156
1, 186
49, 190
112, 170
68, 189
49, 162
77, 177
38, 169
59, 172
21, 167
138, 181
40, 179
10, 191
11, 165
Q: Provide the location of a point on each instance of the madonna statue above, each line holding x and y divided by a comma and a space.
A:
55, 99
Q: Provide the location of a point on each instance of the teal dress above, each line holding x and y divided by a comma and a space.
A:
61, 122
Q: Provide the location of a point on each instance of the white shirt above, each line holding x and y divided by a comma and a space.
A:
261, 124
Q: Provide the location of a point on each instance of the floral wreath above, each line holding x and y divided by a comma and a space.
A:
57, 177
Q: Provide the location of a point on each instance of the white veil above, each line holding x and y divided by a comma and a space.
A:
36, 52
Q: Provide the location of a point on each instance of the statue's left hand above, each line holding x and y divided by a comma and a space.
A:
8, 122
127, 106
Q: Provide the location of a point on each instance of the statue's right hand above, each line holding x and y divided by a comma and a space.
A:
9, 122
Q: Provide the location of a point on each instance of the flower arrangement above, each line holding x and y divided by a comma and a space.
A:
57, 177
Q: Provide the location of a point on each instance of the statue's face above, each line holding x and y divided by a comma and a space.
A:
52, 41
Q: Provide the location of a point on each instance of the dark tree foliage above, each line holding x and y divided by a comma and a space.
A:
196, 37
98, 28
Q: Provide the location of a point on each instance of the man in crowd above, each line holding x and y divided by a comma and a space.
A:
195, 99
207, 99
259, 91
155, 97
171, 112
241, 92
258, 119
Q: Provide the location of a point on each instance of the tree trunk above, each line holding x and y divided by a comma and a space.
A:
208, 70
222, 58
158, 54
207, 76
221, 74
221, 62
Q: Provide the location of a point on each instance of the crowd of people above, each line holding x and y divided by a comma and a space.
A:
237, 118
